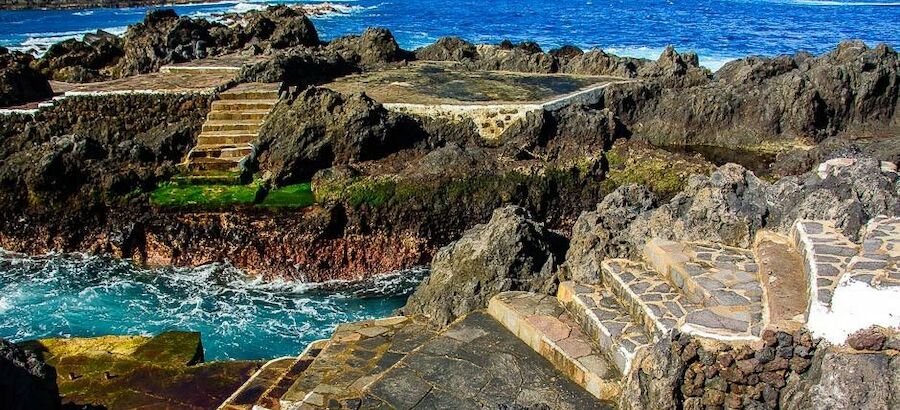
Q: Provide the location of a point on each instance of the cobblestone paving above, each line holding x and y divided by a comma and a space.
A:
357, 355
661, 307
545, 325
603, 318
827, 253
878, 263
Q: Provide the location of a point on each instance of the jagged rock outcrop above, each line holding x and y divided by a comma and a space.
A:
602, 233
319, 128
19, 83
164, 38
26, 382
511, 252
853, 89
838, 380
81, 61
574, 131
375, 47
731, 204
447, 49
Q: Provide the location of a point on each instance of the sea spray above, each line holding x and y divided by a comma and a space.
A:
240, 317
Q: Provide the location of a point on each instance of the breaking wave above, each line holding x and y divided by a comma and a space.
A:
239, 317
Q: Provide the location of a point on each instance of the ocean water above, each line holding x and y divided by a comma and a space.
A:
238, 317
718, 30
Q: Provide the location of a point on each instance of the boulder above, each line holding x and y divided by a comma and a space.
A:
602, 233
375, 47
510, 252
80, 61
448, 49
26, 382
840, 380
19, 82
319, 128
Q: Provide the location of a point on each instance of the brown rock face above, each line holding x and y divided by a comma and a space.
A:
867, 339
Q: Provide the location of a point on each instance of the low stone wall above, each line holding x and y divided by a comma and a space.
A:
749, 376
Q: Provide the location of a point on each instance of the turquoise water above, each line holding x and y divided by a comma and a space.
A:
238, 317
719, 30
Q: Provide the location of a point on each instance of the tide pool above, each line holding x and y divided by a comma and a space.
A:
239, 317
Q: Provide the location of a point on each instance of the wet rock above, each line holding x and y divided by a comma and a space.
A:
27, 382
19, 83
511, 252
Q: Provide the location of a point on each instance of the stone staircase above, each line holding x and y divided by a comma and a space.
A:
595, 334
231, 127
706, 290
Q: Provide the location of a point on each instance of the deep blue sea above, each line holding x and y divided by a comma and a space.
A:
718, 30
239, 317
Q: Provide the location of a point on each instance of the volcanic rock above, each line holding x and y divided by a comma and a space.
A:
511, 252
19, 83
25, 380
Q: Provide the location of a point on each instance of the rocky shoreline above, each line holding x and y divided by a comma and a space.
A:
83, 4
649, 273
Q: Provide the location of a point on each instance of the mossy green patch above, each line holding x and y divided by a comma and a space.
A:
205, 196
290, 196
135, 371
663, 172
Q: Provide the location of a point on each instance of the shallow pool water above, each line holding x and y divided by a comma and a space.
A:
239, 317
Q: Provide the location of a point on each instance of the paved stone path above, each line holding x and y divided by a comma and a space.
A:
827, 253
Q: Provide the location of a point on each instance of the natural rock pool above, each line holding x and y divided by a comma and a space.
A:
239, 317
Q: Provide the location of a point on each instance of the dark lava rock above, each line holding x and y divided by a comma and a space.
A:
838, 380
19, 82
80, 61
597, 234
319, 128
26, 382
448, 49
851, 89
511, 252
375, 47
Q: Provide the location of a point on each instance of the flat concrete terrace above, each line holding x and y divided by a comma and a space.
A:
197, 81
492, 99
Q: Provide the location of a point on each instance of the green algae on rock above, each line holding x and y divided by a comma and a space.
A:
132, 371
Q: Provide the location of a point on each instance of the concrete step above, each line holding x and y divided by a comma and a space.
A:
242, 105
357, 355
232, 152
239, 115
543, 324
606, 321
661, 307
232, 125
203, 164
783, 279
249, 95
270, 399
718, 277
251, 391
212, 138
826, 253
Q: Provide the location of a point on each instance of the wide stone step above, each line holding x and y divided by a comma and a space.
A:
242, 105
712, 275
239, 115
270, 399
232, 152
252, 390
661, 308
220, 138
232, 125
602, 317
544, 325
357, 355
249, 95
826, 253
203, 164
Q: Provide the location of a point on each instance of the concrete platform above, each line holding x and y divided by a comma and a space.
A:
493, 100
